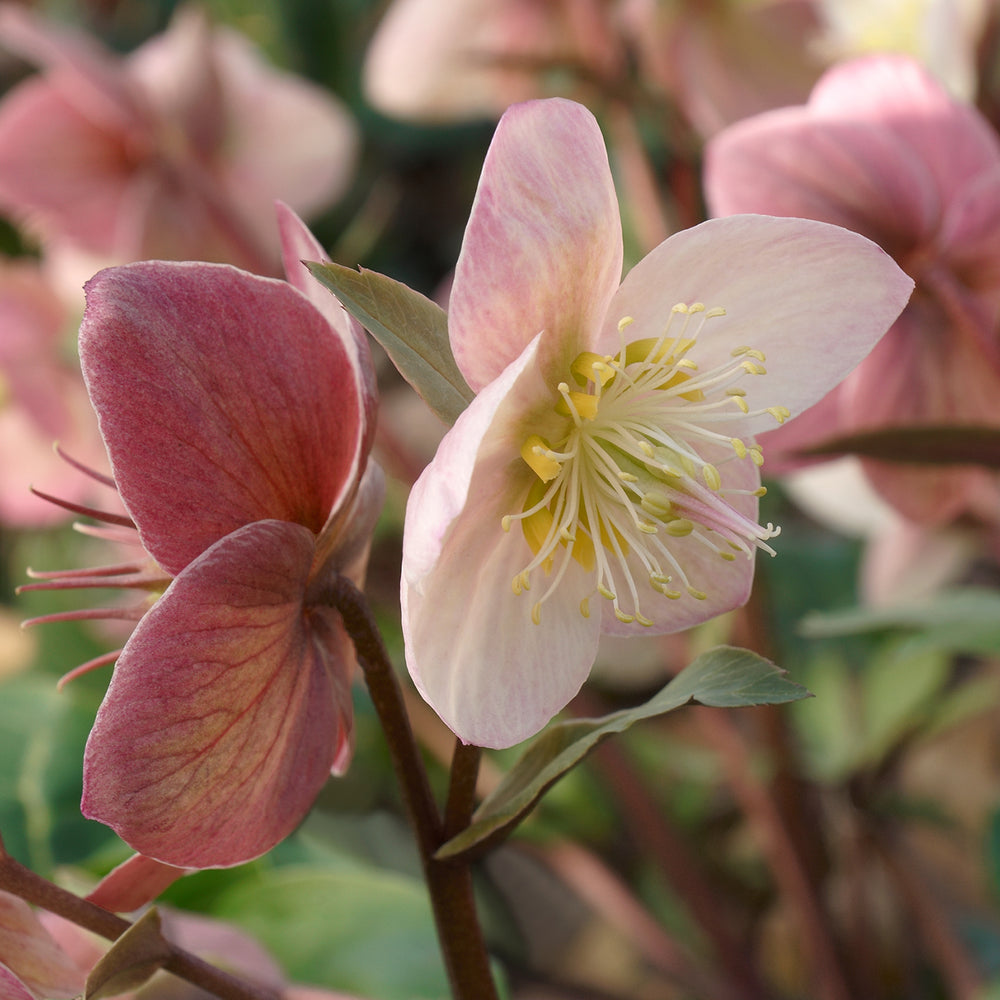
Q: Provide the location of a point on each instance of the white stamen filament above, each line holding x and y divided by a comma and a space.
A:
628, 484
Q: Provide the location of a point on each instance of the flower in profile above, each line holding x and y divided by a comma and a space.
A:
606, 476
176, 151
882, 149
238, 417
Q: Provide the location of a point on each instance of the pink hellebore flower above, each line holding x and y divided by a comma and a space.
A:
882, 149
238, 413
605, 478
176, 151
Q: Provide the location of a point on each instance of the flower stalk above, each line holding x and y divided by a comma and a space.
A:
449, 882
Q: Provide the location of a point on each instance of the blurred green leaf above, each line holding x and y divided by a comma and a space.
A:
965, 619
724, 677
354, 929
412, 329
929, 445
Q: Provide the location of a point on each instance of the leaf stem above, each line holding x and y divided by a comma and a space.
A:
32, 888
449, 881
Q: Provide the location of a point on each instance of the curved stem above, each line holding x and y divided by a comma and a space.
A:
32, 888
449, 882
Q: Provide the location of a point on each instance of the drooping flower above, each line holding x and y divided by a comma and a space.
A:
882, 149
606, 476
177, 151
238, 416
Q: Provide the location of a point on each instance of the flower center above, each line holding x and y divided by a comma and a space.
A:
629, 487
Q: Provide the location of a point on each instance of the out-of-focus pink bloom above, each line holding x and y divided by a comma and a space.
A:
725, 59
882, 149
32, 964
238, 416
176, 152
609, 456
42, 400
442, 61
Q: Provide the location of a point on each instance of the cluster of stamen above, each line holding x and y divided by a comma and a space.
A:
627, 479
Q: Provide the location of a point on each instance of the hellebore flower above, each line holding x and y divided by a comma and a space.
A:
238, 416
882, 149
605, 478
176, 151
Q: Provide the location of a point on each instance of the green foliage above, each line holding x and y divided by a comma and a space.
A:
352, 928
962, 620
724, 677
412, 329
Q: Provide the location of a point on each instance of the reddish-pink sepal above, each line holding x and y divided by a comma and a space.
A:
228, 708
223, 398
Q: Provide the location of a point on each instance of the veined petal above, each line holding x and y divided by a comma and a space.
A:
223, 398
543, 247
475, 654
814, 298
221, 724
297, 245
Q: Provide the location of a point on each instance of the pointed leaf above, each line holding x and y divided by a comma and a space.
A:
928, 445
965, 619
140, 952
412, 329
724, 677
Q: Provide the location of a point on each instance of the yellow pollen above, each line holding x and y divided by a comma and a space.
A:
631, 478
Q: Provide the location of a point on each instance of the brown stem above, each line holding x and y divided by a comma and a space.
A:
780, 850
449, 882
32, 888
462, 789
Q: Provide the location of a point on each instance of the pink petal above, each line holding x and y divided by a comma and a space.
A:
725, 583
134, 883
59, 171
11, 988
954, 387
896, 93
223, 399
286, 138
472, 649
815, 298
543, 247
34, 962
297, 245
227, 709
853, 173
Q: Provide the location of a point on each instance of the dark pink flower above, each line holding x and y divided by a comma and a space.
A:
882, 149
238, 416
